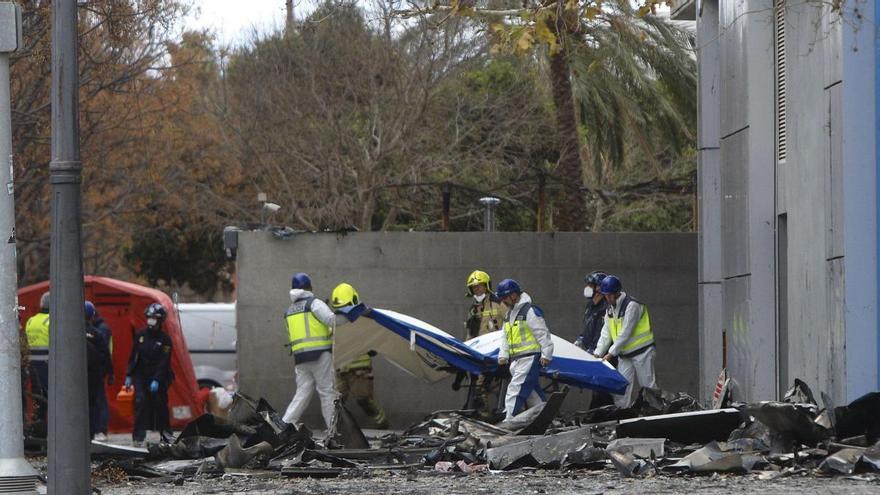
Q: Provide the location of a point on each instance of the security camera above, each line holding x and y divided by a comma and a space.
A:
272, 207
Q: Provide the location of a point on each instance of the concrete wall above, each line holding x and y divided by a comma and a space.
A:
423, 274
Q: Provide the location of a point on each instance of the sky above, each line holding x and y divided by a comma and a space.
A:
233, 20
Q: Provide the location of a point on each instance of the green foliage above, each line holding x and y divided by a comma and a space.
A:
184, 255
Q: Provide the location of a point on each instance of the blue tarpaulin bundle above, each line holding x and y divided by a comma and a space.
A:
425, 351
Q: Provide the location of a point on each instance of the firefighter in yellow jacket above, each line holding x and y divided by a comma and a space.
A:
485, 316
355, 379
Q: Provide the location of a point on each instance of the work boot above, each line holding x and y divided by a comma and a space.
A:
137, 443
100, 437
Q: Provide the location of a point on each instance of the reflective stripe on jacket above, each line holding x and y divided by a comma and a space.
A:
520, 339
642, 335
305, 332
362, 362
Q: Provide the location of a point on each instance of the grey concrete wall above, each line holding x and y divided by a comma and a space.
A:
423, 274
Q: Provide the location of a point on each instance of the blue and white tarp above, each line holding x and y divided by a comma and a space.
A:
570, 365
426, 352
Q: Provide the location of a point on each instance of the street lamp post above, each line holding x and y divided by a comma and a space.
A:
16, 475
68, 406
489, 202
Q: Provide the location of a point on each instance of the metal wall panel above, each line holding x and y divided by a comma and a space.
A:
735, 204
734, 66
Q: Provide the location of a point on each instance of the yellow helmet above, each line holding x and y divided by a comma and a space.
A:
476, 278
344, 295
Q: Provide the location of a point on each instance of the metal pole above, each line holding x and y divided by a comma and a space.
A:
489, 220
446, 192
68, 407
16, 475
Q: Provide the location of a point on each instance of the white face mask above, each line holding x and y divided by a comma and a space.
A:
588, 292
152, 322
479, 298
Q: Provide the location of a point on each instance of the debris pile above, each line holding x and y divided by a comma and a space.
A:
663, 434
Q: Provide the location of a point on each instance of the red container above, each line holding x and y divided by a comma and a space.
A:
125, 402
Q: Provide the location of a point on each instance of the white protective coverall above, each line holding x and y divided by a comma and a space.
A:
640, 365
522, 369
314, 375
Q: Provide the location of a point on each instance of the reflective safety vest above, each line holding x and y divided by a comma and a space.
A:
642, 335
37, 330
362, 362
305, 332
520, 339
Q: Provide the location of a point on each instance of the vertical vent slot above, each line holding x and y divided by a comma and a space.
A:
781, 89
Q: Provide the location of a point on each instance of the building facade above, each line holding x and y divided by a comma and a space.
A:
788, 187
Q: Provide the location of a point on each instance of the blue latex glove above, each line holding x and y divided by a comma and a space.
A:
127, 381
154, 386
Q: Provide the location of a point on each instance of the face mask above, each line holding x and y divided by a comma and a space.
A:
588, 292
479, 298
152, 322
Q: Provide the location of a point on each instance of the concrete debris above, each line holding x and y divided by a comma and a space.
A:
541, 451
234, 455
671, 435
841, 462
795, 423
627, 465
715, 457
645, 448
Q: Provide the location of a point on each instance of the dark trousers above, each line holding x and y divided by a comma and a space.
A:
39, 375
103, 410
96, 391
150, 408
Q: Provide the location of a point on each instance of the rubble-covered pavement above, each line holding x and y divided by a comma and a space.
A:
664, 443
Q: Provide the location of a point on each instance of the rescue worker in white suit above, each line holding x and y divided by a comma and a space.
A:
310, 326
627, 334
527, 346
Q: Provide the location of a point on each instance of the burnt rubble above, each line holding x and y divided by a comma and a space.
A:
663, 434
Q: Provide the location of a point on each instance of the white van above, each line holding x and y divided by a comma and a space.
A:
209, 329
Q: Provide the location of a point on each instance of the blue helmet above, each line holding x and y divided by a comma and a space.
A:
90, 310
610, 285
595, 278
301, 281
507, 287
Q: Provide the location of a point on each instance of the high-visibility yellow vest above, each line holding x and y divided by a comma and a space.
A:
37, 330
642, 334
520, 339
362, 362
305, 332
